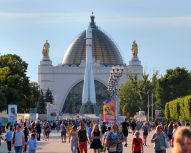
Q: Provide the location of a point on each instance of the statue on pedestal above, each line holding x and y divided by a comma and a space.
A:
45, 50
134, 49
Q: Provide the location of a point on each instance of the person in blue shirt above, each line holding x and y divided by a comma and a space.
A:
90, 131
159, 139
32, 143
9, 136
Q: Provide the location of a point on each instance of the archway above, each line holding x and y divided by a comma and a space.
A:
73, 100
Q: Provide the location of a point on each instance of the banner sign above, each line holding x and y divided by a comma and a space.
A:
158, 114
109, 110
33, 112
12, 113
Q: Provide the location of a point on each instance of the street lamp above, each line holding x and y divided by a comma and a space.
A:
152, 107
113, 86
148, 104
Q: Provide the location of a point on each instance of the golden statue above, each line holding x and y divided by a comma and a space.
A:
45, 50
134, 49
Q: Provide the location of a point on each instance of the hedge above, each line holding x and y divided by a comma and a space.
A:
179, 108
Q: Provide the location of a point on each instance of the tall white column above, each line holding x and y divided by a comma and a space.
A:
88, 94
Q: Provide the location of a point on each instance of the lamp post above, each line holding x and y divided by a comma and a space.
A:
113, 86
152, 107
148, 104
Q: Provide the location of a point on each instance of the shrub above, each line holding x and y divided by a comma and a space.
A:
178, 108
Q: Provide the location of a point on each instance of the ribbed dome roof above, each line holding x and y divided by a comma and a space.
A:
104, 48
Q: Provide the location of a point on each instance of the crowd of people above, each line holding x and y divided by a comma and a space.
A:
102, 136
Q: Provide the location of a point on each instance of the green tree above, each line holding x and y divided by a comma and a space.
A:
155, 87
48, 96
34, 94
179, 108
175, 83
133, 94
14, 84
167, 111
3, 101
41, 107
145, 88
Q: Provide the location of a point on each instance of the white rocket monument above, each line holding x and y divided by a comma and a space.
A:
88, 95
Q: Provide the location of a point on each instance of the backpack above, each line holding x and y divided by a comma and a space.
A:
137, 143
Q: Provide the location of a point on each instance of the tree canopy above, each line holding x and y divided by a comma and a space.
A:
174, 84
15, 87
133, 93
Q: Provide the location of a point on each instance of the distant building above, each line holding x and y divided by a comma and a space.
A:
66, 79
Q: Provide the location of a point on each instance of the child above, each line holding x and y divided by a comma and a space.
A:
32, 143
137, 143
9, 136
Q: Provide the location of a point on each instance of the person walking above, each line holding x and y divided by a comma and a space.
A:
43, 131
114, 141
145, 128
103, 128
182, 140
125, 126
26, 134
73, 139
133, 125
18, 140
57, 126
38, 130
32, 143
63, 131
96, 139
9, 135
137, 143
90, 128
47, 130
170, 132
82, 138
106, 135
159, 139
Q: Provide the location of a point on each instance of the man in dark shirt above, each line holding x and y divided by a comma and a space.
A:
82, 138
125, 126
103, 128
133, 125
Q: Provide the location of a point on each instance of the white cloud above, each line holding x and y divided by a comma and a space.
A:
26, 15
163, 21
114, 19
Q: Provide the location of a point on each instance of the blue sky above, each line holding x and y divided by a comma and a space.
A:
162, 29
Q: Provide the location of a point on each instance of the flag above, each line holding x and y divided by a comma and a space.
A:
109, 110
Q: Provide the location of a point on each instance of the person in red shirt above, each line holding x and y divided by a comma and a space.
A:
137, 143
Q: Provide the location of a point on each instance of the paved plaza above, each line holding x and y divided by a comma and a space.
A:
54, 145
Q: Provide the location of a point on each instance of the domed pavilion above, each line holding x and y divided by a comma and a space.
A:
65, 80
